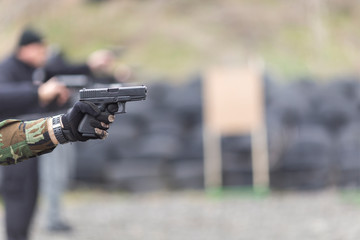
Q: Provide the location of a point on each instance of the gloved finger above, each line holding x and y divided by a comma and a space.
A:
104, 125
102, 134
112, 108
111, 118
105, 117
88, 108
80, 138
97, 124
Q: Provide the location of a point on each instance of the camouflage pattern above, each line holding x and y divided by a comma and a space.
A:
20, 140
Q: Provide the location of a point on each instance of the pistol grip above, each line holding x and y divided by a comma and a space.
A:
85, 128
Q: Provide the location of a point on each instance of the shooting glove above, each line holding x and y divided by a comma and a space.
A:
72, 119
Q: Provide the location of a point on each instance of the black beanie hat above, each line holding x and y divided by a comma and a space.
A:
29, 36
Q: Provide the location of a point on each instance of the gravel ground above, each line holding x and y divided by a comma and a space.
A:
101, 215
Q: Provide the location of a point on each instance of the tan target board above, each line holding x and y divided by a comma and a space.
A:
233, 101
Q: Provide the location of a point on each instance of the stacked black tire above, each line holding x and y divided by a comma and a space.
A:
313, 133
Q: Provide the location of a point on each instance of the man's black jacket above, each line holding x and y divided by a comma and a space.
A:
18, 94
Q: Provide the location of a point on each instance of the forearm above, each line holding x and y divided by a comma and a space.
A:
22, 140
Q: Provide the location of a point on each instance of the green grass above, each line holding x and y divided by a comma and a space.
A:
174, 38
351, 196
245, 192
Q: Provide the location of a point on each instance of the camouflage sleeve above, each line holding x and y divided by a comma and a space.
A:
20, 140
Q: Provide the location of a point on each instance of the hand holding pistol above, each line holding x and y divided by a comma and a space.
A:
102, 97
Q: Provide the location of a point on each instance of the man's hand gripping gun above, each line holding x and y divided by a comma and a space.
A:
104, 96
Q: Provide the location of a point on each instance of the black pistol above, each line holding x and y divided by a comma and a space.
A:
104, 96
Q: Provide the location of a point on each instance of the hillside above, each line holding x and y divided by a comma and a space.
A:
175, 38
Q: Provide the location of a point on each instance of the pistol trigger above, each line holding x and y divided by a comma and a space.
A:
122, 108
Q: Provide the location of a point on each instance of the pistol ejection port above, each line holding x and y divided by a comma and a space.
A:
113, 90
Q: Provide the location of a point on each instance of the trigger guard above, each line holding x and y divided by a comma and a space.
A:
122, 108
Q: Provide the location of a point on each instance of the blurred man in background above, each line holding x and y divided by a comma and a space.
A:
20, 182
16, 72
20, 188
